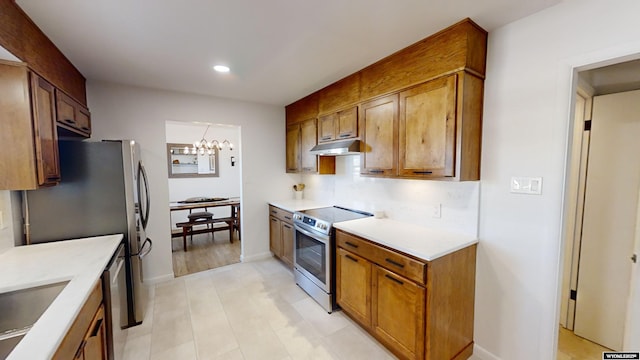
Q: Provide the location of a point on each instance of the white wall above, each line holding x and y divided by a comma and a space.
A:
226, 184
405, 200
129, 112
526, 118
6, 228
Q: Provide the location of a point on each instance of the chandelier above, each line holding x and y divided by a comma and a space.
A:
207, 147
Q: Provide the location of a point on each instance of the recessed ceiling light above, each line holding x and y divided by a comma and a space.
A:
221, 68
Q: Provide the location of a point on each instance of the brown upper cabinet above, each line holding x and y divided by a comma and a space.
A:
29, 159
379, 134
418, 111
338, 126
427, 129
301, 137
72, 115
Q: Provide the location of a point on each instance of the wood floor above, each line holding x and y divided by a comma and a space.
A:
204, 253
573, 347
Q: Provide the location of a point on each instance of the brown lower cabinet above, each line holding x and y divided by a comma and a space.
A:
87, 337
281, 234
418, 309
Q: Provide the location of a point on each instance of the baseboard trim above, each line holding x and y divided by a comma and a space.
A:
481, 353
256, 257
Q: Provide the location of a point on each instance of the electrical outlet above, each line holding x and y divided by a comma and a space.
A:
436, 211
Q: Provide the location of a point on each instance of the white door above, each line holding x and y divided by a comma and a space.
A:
611, 205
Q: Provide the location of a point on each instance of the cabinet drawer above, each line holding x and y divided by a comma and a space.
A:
388, 259
281, 214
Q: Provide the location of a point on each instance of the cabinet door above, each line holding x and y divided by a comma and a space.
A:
308, 139
95, 342
287, 243
353, 285
293, 148
398, 317
347, 123
72, 115
46, 136
275, 236
379, 135
83, 119
327, 128
427, 129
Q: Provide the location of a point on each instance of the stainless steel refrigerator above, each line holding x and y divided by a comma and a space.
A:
103, 190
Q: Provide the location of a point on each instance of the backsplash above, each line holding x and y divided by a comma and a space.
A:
413, 201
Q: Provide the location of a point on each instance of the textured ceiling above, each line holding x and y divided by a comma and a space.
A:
278, 50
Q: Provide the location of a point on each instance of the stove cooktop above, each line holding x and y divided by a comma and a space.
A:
335, 214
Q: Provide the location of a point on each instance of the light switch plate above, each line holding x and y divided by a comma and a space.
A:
526, 185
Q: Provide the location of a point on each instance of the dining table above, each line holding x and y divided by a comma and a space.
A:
206, 203
214, 202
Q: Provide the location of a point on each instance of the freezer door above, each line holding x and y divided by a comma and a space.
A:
91, 198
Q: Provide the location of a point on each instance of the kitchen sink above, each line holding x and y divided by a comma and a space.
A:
20, 309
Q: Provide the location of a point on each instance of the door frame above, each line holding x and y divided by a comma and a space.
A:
572, 67
576, 179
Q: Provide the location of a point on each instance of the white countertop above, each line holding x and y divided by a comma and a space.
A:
299, 205
81, 261
424, 243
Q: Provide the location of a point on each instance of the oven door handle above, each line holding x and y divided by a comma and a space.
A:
320, 237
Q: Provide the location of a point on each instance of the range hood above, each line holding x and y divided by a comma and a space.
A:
343, 147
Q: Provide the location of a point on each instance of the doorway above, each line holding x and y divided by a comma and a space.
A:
214, 176
601, 215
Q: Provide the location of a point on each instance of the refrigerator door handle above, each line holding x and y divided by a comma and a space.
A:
144, 251
142, 177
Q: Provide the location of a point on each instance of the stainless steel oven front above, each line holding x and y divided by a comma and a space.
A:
313, 262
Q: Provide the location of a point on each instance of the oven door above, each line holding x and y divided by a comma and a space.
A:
312, 256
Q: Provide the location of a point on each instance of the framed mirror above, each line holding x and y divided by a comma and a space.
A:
183, 163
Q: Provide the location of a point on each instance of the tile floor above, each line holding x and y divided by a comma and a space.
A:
244, 311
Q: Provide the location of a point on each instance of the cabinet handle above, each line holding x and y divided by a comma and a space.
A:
80, 349
345, 135
325, 138
394, 279
274, 211
351, 244
274, 220
96, 329
287, 217
69, 121
423, 172
376, 171
394, 263
287, 226
292, 169
351, 258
